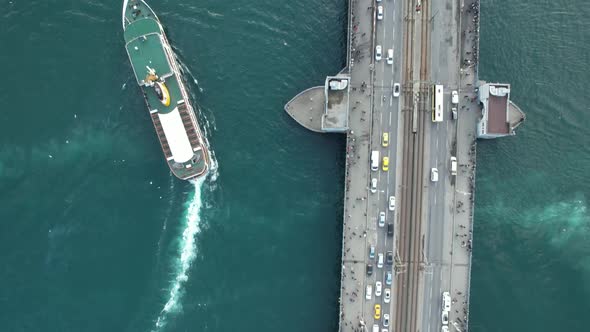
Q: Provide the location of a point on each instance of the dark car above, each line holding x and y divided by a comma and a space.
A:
389, 259
390, 229
369, 269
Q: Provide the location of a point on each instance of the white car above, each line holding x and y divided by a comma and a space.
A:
381, 219
378, 288
446, 301
379, 13
444, 329
380, 260
434, 175
378, 53
390, 56
454, 97
369, 293
445, 317
391, 203
386, 320
396, 89
387, 296
373, 185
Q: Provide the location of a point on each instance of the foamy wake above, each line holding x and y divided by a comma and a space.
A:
188, 247
188, 252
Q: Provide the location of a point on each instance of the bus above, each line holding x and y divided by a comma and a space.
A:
437, 103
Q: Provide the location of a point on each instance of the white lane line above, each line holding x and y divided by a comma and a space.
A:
390, 119
387, 194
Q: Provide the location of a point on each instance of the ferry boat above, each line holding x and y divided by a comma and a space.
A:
158, 75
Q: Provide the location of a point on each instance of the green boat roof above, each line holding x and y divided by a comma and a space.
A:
141, 27
145, 49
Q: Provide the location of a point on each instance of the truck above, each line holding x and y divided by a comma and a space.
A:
453, 166
375, 161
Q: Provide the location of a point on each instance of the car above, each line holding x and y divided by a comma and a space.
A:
378, 53
434, 174
446, 301
390, 229
387, 295
454, 113
453, 165
378, 0
388, 278
378, 288
390, 56
445, 317
381, 219
372, 252
396, 90
391, 203
375, 328
389, 258
373, 185
377, 311
380, 260
369, 269
379, 13
385, 164
369, 292
444, 329
454, 97
386, 320
385, 140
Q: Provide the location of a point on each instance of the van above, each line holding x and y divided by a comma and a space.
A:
454, 97
434, 174
380, 260
369, 294
453, 166
390, 56
375, 328
390, 229
375, 161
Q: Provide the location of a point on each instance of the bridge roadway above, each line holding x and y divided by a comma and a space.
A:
432, 220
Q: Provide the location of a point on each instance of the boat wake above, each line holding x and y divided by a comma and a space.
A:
187, 248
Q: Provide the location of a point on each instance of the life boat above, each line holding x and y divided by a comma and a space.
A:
162, 93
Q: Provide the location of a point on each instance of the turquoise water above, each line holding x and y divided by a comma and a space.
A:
96, 235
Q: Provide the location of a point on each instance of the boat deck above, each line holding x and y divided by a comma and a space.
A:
147, 46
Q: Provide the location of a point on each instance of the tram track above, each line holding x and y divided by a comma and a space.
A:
415, 118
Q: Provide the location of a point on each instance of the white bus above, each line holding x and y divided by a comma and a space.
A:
437, 103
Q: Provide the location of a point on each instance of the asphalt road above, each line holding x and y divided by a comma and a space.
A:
386, 110
440, 219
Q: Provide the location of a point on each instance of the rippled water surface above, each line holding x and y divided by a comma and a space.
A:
96, 235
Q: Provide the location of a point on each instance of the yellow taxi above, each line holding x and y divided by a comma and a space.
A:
385, 164
385, 140
377, 311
